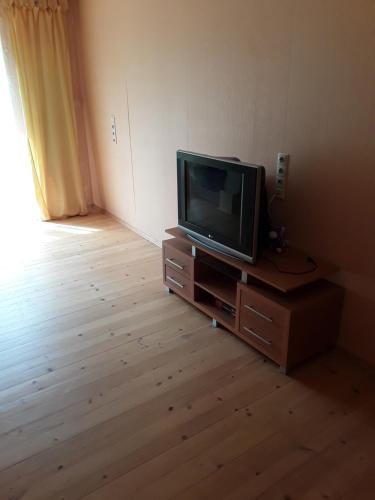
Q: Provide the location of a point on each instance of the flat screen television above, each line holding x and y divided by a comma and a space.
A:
222, 203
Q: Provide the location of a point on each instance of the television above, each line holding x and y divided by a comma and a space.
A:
222, 204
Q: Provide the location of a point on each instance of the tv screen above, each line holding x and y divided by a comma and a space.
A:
219, 202
214, 199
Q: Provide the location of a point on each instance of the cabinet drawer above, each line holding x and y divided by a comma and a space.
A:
178, 282
178, 259
263, 312
273, 348
270, 331
264, 324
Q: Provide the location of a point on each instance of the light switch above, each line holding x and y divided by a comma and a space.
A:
114, 129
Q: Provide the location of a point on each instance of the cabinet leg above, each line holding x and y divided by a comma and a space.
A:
214, 323
170, 291
283, 370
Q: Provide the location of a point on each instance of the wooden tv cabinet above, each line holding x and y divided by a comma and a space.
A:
287, 317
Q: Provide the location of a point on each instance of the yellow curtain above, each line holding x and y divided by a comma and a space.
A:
39, 36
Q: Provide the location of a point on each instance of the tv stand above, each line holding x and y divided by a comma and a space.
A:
288, 316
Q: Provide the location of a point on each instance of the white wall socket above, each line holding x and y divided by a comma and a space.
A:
114, 129
282, 168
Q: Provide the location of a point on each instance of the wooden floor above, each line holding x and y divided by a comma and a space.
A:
112, 389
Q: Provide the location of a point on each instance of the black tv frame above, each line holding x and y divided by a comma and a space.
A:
252, 228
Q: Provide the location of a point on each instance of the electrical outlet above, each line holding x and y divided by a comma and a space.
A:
282, 167
114, 129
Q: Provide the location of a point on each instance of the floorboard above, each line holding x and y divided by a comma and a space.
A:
112, 389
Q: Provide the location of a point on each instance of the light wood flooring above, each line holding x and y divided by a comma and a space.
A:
112, 389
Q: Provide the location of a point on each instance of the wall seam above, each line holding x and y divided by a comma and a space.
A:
130, 145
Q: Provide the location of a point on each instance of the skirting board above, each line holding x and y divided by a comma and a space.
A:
129, 226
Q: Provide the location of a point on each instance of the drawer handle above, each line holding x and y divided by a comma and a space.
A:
170, 261
175, 282
259, 337
261, 315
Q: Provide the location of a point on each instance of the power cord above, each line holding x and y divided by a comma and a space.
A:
271, 200
294, 273
284, 271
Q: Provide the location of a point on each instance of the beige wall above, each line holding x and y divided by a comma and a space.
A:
248, 78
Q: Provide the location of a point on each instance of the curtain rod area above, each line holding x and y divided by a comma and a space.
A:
32, 4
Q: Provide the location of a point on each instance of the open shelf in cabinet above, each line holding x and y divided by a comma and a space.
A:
217, 283
209, 304
219, 287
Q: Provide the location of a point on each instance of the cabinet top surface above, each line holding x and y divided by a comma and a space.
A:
273, 269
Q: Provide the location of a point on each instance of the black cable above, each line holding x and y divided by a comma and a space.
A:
284, 271
295, 273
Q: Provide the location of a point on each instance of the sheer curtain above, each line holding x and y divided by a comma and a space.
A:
17, 197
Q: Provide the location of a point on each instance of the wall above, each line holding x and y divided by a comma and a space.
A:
247, 78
